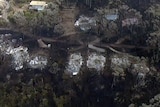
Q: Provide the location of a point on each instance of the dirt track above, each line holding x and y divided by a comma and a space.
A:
68, 19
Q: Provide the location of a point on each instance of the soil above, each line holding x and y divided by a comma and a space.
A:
68, 19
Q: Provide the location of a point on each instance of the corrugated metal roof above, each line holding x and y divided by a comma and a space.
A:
111, 17
42, 3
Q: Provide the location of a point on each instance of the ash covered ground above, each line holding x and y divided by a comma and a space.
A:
101, 53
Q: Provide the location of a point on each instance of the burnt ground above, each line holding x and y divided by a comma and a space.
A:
82, 90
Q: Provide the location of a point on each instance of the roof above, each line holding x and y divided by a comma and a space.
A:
111, 17
38, 3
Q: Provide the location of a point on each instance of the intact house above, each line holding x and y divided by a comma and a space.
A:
37, 5
111, 17
111, 14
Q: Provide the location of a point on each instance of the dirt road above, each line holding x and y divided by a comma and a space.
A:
68, 19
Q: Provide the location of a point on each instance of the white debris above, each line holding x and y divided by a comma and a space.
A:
38, 62
96, 61
4, 43
20, 56
85, 23
75, 63
4, 47
140, 68
120, 61
140, 79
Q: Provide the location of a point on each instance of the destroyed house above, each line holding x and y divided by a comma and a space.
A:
129, 21
37, 5
85, 23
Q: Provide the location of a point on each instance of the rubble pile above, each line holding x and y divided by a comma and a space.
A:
85, 23
130, 21
119, 64
20, 54
140, 70
75, 63
38, 62
130, 16
136, 66
96, 61
4, 43
120, 61
140, 67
